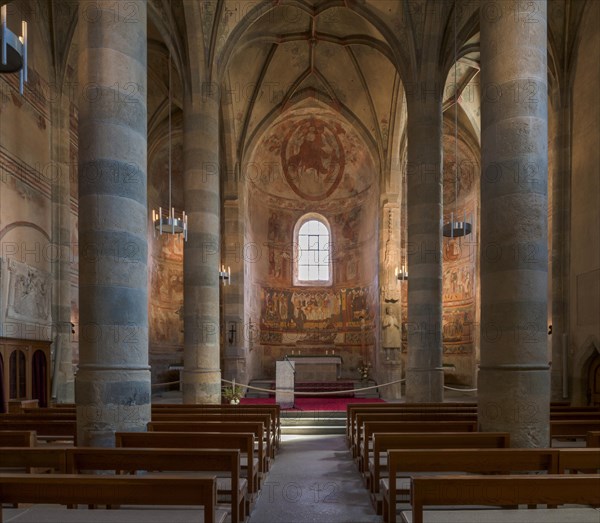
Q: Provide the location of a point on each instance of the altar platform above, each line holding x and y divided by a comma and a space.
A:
316, 368
318, 386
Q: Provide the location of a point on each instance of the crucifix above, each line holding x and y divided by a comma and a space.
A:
232, 332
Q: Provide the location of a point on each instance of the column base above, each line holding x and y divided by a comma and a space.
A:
109, 401
517, 401
424, 385
391, 371
201, 386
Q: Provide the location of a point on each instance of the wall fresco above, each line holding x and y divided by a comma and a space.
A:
316, 317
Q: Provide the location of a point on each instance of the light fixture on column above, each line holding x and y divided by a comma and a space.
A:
402, 273
456, 228
13, 49
225, 275
166, 220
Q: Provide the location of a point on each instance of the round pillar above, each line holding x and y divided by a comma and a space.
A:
112, 386
201, 259
514, 379
424, 373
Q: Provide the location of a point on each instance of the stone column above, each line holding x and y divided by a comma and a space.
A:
201, 353
514, 380
424, 374
112, 385
561, 202
62, 377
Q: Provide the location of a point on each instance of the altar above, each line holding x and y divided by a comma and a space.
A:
317, 368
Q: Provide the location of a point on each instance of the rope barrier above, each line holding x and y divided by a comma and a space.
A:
260, 389
460, 390
317, 393
163, 384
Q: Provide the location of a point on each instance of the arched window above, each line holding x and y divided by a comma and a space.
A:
313, 251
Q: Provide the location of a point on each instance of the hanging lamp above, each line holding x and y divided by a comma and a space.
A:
13, 49
456, 228
166, 220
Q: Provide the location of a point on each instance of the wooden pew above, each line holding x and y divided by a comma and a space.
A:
73, 489
575, 415
244, 442
46, 429
256, 427
371, 427
572, 428
506, 461
264, 418
33, 458
18, 438
382, 442
570, 408
354, 408
143, 459
592, 438
362, 417
503, 490
38, 414
575, 460
274, 410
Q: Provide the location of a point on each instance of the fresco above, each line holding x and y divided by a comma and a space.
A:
313, 316
312, 158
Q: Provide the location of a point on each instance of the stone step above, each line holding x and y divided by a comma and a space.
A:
299, 422
296, 414
311, 430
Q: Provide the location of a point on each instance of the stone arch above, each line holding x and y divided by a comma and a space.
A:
582, 363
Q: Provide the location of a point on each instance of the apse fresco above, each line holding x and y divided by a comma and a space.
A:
299, 317
312, 159
312, 162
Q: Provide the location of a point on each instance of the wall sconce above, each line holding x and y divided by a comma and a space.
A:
225, 275
402, 274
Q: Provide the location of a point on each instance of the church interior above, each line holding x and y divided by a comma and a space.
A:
301, 206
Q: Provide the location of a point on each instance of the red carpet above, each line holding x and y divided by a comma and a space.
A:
314, 403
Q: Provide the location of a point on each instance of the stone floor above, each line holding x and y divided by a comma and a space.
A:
313, 479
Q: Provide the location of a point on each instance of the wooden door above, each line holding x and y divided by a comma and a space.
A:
594, 381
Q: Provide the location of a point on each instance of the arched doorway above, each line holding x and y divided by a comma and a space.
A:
594, 381
39, 378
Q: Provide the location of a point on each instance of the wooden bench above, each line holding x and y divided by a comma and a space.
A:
264, 418
128, 460
592, 438
382, 442
363, 417
573, 428
406, 461
73, 489
354, 408
244, 442
369, 428
45, 429
575, 415
575, 460
18, 438
503, 490
255, 427
571, 408
274, 410
30, 459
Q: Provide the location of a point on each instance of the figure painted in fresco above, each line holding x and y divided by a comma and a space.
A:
391, 330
